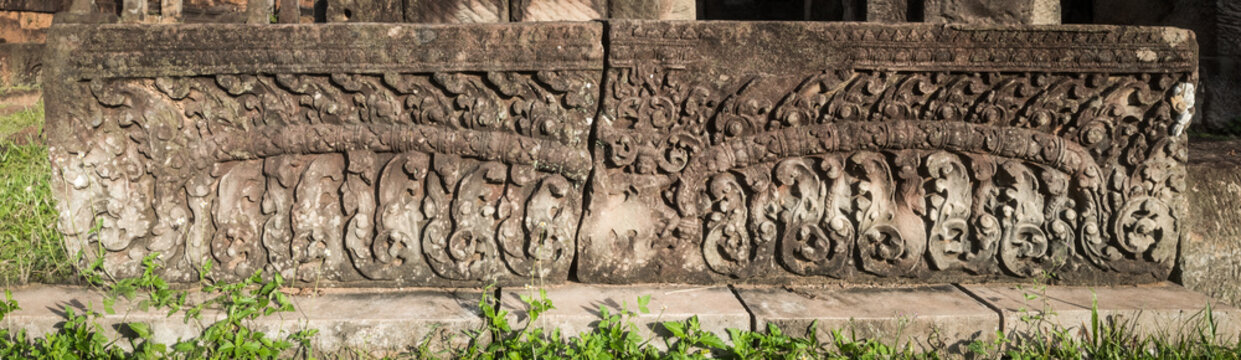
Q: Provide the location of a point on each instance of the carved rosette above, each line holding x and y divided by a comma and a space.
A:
892, 152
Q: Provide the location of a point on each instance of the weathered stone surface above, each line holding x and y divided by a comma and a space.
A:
1229, 27
887, 11
1197, 15
1164, 310
558, 10
456, 11
1029, 12
395, 320
46, 6
1221, 87
577, 307
1211, 254
384, 154
43, 309
344, 319
652, 9
20, 64
365, 10
24, 27
739, 152
940, 318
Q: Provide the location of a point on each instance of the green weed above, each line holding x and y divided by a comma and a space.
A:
31, 248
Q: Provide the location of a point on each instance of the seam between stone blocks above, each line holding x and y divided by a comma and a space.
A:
744, 305
984, 302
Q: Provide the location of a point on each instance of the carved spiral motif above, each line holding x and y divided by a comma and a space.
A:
727, 247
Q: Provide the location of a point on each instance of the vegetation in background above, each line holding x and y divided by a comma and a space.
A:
31, 249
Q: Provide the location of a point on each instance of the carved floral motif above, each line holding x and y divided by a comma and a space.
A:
333, 178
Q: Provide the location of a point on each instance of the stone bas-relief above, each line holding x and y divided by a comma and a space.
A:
811, 152
698, 153
406, 177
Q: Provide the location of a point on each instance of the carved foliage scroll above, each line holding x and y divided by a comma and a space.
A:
444, 178
776, 166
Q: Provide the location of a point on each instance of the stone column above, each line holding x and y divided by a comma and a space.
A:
259, 11
1026, 12
134, 11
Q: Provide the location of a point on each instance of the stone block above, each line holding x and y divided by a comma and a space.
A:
723, 152
736, 152
887, 11
1028, 12
373, 320
558, 10
1211, 255
653, 9
443, 155
1164, 310
577, 307
456, 11
1200, 16
380, 319
365, 10
1229, 27
941, 318
21, 64
44, 6
1221, 87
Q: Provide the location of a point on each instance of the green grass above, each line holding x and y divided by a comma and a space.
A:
31, 116
31, 249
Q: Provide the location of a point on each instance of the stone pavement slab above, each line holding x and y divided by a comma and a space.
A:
1165, 310
577, 307
934, 317
374, 320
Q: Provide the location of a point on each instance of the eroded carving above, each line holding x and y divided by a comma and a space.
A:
959, 160
701, 152
441, 178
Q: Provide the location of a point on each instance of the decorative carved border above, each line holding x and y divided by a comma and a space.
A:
336, 154
811, 152
703, 152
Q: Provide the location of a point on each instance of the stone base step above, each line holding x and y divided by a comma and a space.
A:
934, 317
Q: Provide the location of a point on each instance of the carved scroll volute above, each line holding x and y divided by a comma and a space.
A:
1147, 226
538, 221
952, 242
727, 246
986, 229
550, 223
891, 236
283, 173
318, 222
238, 218
1024, 248
369, 249
1060, 214
469, 252
818, 238
398, 220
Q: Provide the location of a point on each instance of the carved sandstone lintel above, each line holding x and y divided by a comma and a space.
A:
446, 156
699, 152
808, 152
